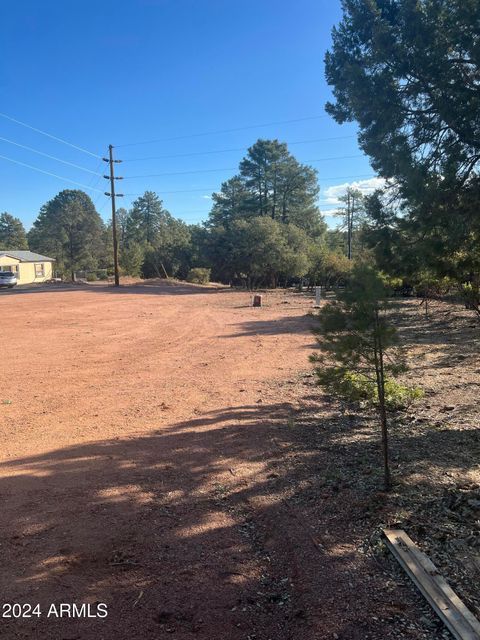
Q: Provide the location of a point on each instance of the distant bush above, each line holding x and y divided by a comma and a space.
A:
91, 277
471, 296
102, 275
199, 275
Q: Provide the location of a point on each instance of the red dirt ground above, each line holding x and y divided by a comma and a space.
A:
150, 462
125, 414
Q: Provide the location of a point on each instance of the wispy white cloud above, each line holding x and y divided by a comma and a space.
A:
332, 194
206, 197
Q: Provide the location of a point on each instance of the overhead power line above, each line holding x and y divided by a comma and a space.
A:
47, 155
211, 133
181, 173
215, 189
49, 173
49, 135
204, 153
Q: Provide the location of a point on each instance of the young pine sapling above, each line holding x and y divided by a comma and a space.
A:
361, 356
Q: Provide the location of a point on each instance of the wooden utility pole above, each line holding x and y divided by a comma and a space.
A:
350, 214
112, 179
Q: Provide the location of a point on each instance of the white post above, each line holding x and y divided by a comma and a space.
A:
318, 296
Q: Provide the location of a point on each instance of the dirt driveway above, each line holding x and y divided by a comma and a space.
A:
126, 415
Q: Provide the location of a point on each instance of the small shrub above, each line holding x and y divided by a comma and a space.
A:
91, 277
199, 275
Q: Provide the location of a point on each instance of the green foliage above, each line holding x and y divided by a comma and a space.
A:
92, 277
12, 233
353, 326
69, 229
131, 258
145, 220
271, 183
170, 253
361, 356
199, 275
471, 295
391, 283
407, 72
328, 269
429, 285
359, 388
259, 251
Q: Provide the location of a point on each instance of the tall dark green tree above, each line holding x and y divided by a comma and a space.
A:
230, 203
271, 183
145, 219
12, 233
69, 229
169, 255
408, 73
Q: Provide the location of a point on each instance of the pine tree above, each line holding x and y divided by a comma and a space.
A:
361, 353
12, 233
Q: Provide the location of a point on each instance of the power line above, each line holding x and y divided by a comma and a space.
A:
46, 155
215, 189
49, 135
49, 173
211, 133
204, 153
176, 191
181, 173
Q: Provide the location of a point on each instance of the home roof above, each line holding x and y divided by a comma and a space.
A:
26, 256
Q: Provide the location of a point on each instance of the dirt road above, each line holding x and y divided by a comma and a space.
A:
126, 415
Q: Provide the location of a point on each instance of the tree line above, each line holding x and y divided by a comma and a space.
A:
264, 229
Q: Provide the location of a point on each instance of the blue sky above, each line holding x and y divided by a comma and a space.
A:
95, 73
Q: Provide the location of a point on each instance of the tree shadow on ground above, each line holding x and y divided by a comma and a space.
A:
154, 287
449, 333
242, 523
276, 326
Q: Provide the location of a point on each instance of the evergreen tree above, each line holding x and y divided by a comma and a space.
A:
145, 220
69, 229
12, 233
408, 73
361, 348
271, 183
131, 259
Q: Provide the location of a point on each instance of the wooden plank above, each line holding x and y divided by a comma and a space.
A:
445, 602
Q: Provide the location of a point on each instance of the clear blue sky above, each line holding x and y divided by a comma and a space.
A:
105, 72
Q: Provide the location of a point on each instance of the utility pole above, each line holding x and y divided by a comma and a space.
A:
350, 211
111, 195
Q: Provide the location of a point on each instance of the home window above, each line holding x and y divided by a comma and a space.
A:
39, 270
13, 268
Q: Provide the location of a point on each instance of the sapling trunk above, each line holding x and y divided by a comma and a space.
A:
380, 376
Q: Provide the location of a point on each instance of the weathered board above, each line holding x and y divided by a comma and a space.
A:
448, 606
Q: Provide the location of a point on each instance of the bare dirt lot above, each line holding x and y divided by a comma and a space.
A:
164, 451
